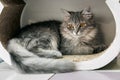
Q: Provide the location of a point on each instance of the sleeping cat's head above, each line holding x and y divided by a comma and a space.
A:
77, 22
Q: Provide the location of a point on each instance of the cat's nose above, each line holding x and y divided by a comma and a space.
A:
74, 33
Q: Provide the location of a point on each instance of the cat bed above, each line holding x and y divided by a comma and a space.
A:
10, 19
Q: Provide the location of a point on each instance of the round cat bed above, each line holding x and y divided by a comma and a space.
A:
11, 20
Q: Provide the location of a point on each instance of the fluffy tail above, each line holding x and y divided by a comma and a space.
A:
28, 62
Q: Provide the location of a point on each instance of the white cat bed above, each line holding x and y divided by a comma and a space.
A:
10, 18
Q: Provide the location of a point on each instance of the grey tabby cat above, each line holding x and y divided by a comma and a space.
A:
37, 47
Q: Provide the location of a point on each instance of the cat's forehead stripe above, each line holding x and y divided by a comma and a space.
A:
75, 17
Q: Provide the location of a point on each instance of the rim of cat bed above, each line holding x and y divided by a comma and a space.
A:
108, 55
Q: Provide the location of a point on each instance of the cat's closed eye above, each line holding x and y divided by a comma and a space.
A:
70, 26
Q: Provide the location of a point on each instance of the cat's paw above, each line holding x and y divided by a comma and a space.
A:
56, 54
50, 54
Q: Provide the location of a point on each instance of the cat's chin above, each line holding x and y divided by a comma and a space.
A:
75, 36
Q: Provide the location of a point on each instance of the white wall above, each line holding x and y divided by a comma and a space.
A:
40, 10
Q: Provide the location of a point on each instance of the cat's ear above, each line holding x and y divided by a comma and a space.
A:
86, 10
87, 13
66, 14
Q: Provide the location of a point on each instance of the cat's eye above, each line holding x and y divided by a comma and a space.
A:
83, 24
70, 26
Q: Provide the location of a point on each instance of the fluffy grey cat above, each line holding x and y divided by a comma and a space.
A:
38, 47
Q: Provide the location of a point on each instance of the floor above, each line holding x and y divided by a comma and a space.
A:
7, 73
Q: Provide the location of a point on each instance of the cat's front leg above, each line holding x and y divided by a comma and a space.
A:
50, 54
85, 50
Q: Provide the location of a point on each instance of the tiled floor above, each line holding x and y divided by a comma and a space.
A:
80, 75
87, 75
6, 73
12, 75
